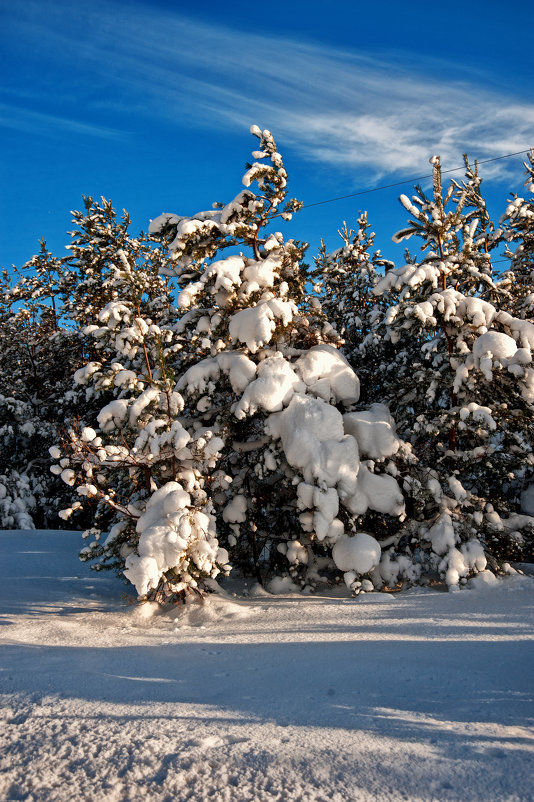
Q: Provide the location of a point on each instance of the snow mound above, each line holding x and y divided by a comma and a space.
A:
255, 325
375, 491
216, 608
360, 553
282, 585
483, 580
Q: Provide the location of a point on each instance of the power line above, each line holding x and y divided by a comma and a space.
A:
412, 180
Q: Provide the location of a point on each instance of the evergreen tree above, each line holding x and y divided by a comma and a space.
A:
101, 250
227, 415
142, 470
33, 378
265, 378
462, 386
228, 428
345, 280
518, 232
45, 339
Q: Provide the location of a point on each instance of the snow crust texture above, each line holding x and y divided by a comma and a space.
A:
420, 695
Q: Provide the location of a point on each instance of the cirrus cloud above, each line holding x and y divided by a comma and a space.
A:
341, 108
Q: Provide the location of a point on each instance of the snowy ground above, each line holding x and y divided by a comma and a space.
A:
421, 695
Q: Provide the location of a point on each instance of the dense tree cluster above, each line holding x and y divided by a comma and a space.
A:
198, 399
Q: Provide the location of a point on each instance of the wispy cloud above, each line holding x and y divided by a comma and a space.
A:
340, 108
38, 123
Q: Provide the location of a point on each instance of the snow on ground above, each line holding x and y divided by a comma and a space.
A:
422, 695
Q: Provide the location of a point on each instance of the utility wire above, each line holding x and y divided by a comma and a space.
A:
412, 180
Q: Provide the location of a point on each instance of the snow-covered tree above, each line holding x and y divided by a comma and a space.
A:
33, 378
344, 280
463, 387
17, 501
518, 232
142, 470
45, 339
102, 248
265, 377
229, 427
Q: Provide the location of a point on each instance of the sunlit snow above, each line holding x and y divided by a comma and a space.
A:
415, 695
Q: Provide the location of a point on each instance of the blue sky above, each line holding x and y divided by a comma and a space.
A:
149, 104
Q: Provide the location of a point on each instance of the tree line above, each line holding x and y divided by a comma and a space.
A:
198, 399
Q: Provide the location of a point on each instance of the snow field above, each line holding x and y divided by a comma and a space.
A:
420, 695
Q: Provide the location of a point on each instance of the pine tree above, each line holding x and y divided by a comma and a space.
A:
345, 280
518, 231
229, 428
105, 261
33, 378
260, 373
45, 339
142, 469
462, 385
